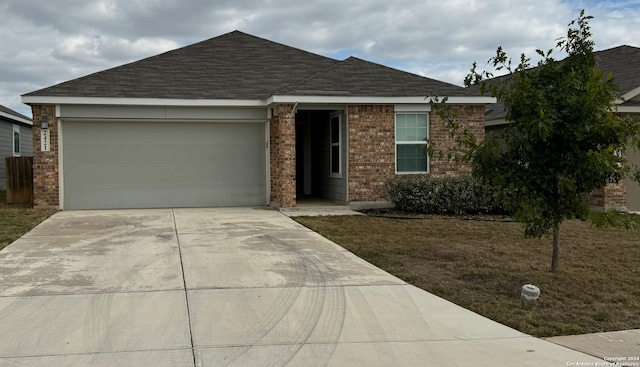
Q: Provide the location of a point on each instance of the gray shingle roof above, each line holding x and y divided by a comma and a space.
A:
232, 66
623, 62
357, 77
237, 65
11, 112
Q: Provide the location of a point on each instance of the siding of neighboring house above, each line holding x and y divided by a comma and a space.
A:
625, 194
6, 146
26, 141
633, 157
6, 132
633, 188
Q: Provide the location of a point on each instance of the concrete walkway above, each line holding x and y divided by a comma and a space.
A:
621, 347
228, 287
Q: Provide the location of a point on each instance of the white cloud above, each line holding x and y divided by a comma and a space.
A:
45, 42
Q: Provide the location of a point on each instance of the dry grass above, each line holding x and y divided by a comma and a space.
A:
16, 220
482, 263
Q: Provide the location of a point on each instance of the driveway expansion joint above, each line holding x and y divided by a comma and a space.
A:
184, 281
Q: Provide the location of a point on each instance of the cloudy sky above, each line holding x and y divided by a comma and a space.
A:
46, 42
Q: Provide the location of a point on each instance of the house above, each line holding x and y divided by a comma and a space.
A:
623, 62
15, 139
238, 120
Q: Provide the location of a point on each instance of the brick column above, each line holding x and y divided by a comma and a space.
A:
610, 197
615, 196
282, 130
46, 185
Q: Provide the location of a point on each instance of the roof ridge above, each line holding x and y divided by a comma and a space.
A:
130, 63
350, 60
190, 60
365, 78
404, 71
616, 47
275, 43
237, 65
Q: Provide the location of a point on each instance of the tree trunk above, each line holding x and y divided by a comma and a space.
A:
555, 257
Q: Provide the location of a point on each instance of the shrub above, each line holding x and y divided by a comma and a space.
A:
444, 195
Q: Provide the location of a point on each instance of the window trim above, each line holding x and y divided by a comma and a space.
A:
16, 129
333, 144
418, 142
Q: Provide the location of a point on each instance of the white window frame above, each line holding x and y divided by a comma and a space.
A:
333, 144
419, 142
16, 129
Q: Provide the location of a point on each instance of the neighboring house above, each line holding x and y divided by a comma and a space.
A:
623, 62
238, 120
15, 139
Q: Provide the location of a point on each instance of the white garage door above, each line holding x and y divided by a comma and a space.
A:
132, 164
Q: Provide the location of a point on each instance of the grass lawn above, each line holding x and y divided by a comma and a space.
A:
482, 263
16, 220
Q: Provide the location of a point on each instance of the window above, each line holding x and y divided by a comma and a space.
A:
412, 130
336, 162
16, 140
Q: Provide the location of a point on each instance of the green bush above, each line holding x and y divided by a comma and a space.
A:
443, 195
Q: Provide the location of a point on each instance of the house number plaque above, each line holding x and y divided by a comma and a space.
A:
44, 140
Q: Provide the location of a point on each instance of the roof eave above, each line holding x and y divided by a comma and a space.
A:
496, 122
248, 102
16, 118
628, 109
376, 100
629, 95
143, 101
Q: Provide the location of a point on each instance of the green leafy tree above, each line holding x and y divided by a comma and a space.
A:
564, 139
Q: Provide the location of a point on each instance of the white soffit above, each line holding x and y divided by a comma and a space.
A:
16, 118
163, 112
144, 101
423, 107
248, 102
628, 109
375, 100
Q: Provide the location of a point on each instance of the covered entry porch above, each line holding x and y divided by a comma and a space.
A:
308, 156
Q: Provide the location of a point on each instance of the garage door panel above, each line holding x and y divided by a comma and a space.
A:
180, 148
206, 175
158, 197
148, 165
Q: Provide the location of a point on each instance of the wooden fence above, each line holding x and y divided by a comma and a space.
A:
19, 180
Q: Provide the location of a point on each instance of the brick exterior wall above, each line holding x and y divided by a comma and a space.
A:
471, 117
282, 143
615, 196
612, 196
371, 151
46, 184
371, 130
372, 147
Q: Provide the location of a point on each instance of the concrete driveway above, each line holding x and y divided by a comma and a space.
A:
228, 287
